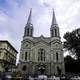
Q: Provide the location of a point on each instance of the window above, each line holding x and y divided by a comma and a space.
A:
55, 32
41, 55
31, 32
26, 54
52, 33
28, 32
57, 56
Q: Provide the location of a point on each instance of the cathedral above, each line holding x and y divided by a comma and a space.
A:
41, 55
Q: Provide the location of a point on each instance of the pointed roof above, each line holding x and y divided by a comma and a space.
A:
53, 19
29, 18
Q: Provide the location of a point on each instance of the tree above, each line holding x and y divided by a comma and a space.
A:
71, 65
72, 42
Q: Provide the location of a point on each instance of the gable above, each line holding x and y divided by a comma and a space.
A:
42, 42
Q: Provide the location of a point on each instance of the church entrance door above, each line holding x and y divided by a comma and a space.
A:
41, 70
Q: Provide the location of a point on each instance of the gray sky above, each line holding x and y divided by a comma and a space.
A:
14, 14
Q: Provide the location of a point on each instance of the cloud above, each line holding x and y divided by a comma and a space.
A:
14, 14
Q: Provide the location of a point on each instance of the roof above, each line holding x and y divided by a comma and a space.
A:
47, 39
9, 44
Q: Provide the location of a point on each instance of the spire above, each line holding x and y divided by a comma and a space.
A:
53, 19
54, 27
29, 18
29, 26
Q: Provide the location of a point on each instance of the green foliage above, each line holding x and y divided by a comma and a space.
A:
72, 42
72, 65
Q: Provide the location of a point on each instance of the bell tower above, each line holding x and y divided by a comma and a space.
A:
56, 49
28, 32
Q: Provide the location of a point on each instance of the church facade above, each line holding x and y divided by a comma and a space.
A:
41, 55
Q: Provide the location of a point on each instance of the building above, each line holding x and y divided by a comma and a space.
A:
8, 56
41, 55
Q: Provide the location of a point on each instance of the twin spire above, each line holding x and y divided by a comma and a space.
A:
53, 18
29, 27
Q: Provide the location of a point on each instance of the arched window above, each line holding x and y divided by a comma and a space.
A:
52, 33
57, 57
55, 32
31, 32
28, 32
41, 55
26, 54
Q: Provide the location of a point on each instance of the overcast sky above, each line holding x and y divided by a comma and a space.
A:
14, 14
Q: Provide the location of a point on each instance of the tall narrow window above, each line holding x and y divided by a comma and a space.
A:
55, 32
41, 55
52, 33
26, 54
31, 32
28, 32
57, 56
